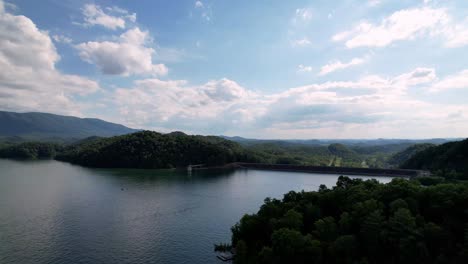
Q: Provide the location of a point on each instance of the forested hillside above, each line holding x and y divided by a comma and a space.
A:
335, 154
148, 149
155, 150
358, 222
402, 156
447, 160
271, 153
30, 150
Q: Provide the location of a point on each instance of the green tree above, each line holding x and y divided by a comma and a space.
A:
344, 248
292, 219
241, 252
326, 229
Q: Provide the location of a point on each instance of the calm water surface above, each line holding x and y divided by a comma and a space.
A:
54, 212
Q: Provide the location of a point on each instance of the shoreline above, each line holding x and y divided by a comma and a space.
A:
278, 167
324, 170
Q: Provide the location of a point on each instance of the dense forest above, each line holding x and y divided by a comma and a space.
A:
334, 154
449, 160
402, 156
359, 222
30, 150
148, 149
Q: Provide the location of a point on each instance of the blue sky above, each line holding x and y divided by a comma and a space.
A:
263, 69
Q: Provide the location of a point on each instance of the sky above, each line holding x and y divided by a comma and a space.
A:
257, 69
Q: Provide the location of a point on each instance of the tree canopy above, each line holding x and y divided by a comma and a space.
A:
449, 160
150, 150
402, 156
30, 150
359, 222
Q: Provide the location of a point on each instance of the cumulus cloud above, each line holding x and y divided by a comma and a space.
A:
94, 15
404, 25
29, 79
169, 102
338, 65
370, 103
128, 55
332, 109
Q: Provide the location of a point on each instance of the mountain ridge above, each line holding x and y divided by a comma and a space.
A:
46, 126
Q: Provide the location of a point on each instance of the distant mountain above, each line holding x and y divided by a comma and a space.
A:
43, 126
399, 144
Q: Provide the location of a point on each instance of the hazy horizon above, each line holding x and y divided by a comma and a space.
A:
265, 69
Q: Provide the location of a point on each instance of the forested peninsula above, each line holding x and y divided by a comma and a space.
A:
359, 222
152, 150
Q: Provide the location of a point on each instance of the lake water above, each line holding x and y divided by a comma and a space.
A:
54, 212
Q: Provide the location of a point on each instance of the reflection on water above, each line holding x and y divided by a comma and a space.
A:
177, 175
54, 212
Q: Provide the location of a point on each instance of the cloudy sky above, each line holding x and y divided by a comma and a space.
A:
263, 69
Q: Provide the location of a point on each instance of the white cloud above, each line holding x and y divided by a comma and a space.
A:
407, 24
116, 9
125, 14
302, 68
416, 77
342, 36
159, 101
128, 55
199, 4
28, 79
330, 108
338, 65
95, 15
401, 25
456, 35
456, 81
62, 39
301, 42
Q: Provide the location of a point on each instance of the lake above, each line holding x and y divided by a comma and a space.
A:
55, 212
